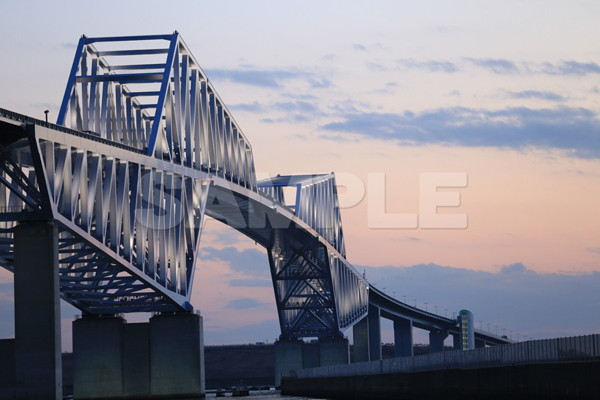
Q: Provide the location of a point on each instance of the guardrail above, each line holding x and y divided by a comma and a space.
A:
578, 348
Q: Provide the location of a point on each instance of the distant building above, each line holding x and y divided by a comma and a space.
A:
467, 329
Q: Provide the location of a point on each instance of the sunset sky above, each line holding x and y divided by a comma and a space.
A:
507, 93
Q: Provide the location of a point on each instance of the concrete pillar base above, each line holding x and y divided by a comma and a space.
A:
160, 359
403, 338
436, 341
177, 355
37, 347
360, 333
456, 342
311, 356
288, 358
374, 318
334, 351
293, 355
97, 357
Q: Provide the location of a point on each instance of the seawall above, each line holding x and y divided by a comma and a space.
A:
563, 368
536, 381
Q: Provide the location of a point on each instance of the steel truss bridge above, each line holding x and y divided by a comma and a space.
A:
143, 149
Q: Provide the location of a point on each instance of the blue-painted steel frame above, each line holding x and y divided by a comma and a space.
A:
71, 82
163, 92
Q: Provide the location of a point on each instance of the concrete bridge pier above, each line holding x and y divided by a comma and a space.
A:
333, 351
367, 336
374, 318
163, 358
403, 337
436, 340
288, 358
292, 355
360, 333
456, 341
33, 359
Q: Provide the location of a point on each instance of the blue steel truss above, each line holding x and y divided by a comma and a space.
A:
142, 150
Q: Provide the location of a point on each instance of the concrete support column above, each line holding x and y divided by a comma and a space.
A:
403, 337
160, 359
38, 360
374, 318
310, 355
136, 360
288, 358
177, 355
436, 341
334, 351
98, 357
360, 333
456, 341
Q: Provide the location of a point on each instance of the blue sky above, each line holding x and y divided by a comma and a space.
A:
506, 92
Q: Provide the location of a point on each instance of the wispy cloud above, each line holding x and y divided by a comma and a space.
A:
300, 96
253, 263
376, 67
571, 68
407, 239
496, 65
430, 65
296, 106
291, 118
254, 107
250, 283
536, 94
256, 77
359, 47
576, 130
68, 45
244, 304
500, 66
320, 83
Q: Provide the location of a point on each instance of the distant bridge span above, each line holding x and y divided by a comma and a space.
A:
142, 150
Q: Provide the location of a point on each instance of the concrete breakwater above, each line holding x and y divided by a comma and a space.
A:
570, 380
562, 368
